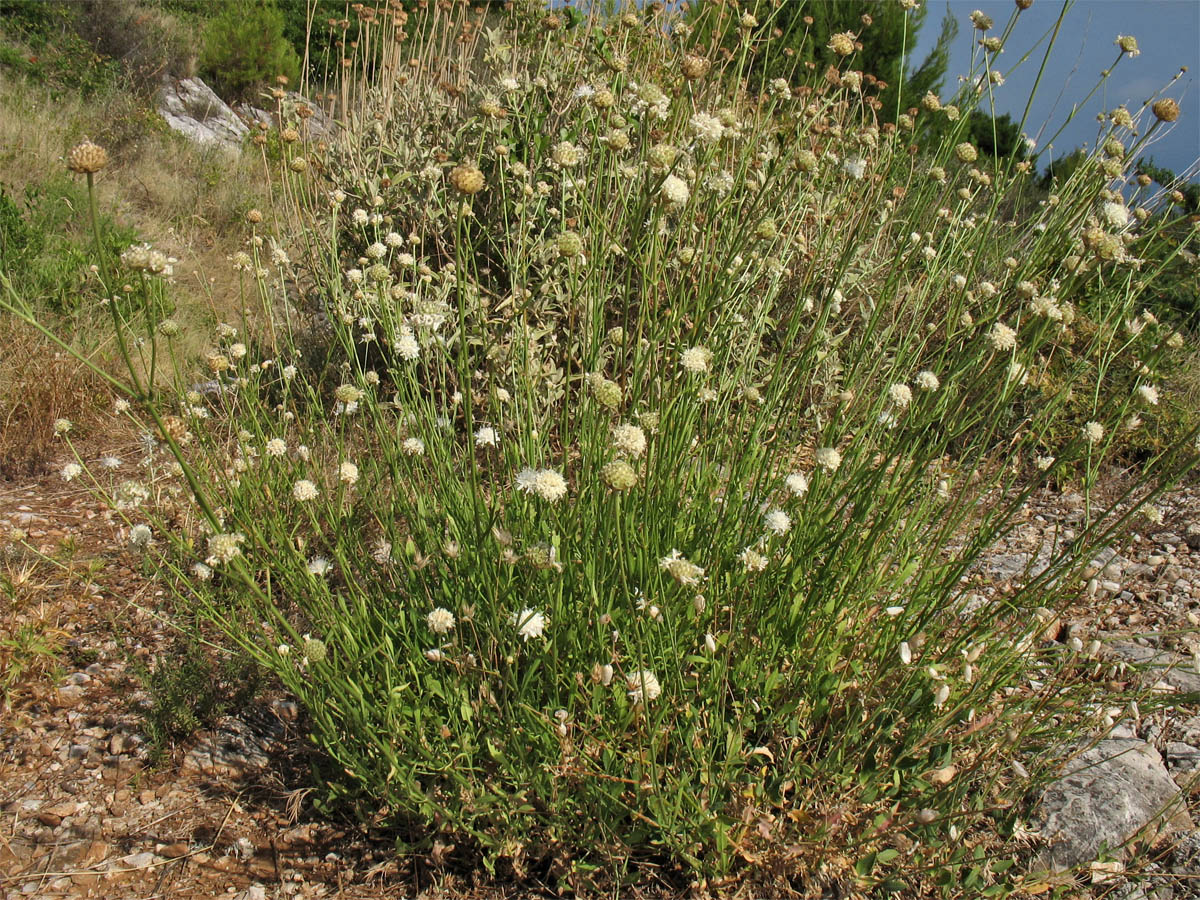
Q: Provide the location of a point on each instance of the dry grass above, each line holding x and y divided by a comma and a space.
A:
185, 198
38, 384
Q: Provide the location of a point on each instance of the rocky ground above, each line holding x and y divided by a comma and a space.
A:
86, 814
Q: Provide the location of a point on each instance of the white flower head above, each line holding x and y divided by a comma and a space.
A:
224, 548
406, 345
630, 440
855, 167
797, 484
752, 560
681, 569
707, 128
304, 490
828, 458
140, 537
1002, 337
486, 436
1115, 214
900, 395
675, 190
529, 623
643, 686
777, 522
546, 483
440, 620
696, 360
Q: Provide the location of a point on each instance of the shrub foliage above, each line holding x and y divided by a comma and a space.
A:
658, 427
245, 47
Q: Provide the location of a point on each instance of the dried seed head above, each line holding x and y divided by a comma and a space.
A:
1128, 44
467, 178
86, 158
981, 20
694, 67
1165, 110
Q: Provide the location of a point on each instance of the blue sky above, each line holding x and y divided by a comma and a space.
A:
1168, 35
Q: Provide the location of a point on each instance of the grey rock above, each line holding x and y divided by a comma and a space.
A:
1184, 863
139, 860
1007, 566
208, 387
69, 696
1109, 793
1189, 731
317, 125
235, 750
1183, 762
1152, 889
191, 108
1159, 666
1125, 729
252, 115
1192, 538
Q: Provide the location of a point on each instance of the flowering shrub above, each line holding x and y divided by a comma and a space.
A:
629, 512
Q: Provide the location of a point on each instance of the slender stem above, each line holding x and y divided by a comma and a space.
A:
105, 283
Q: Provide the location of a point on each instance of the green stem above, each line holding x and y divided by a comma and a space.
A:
105, 282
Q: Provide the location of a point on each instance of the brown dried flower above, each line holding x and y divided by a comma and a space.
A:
467, 179
86, 158
1165, 110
